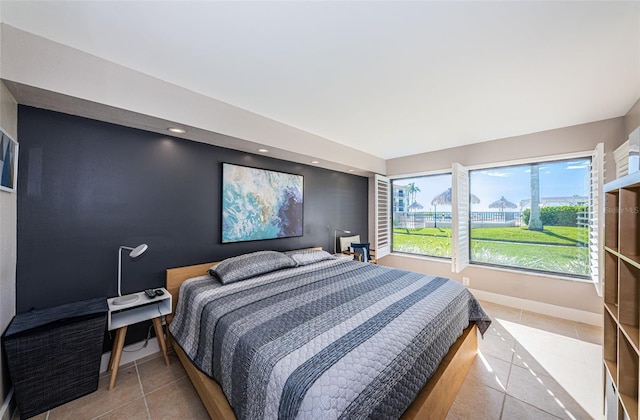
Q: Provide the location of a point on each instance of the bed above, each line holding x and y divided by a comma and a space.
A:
308, 335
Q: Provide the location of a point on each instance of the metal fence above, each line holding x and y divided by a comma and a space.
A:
416, 220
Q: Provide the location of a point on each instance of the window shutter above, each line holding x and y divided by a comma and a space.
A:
460, 218
382, 216
621, 156
596, 218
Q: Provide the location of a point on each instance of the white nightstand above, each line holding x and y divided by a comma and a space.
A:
142, 309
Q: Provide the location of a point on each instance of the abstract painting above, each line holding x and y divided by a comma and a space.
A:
260, 204
8, 162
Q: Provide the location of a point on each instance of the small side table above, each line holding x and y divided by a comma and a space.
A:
143, 309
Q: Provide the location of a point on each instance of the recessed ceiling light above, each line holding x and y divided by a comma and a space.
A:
263, 150
315, 161
176, 130
352, 170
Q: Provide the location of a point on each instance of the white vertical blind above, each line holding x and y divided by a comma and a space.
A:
382, 216
596, 218
460, 218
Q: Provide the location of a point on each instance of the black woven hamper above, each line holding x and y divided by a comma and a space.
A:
54, 354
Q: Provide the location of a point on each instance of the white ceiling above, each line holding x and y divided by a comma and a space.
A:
389, 78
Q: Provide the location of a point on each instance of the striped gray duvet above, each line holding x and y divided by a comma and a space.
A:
334, 339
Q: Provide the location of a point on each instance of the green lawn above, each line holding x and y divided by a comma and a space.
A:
553, 235
561, 259
422, 244
558, 248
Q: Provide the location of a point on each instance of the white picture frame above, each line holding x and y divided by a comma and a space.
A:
8, 162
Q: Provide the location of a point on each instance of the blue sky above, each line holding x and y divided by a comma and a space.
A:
557, 179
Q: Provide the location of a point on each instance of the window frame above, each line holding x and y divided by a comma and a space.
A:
528, 161
447, 171
597, 156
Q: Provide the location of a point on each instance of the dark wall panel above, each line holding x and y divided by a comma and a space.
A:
86, 187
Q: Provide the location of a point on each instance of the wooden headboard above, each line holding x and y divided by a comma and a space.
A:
177, 276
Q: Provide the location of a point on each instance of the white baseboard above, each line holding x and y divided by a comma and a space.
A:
8, 406
540, 307
131, 353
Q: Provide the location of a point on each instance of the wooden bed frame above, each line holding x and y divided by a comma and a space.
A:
433, 401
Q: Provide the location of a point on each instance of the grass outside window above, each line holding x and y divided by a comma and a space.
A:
560, 249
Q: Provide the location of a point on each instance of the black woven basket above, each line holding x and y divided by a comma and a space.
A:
54, 354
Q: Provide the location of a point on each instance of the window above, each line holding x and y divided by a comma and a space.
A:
422, 215
469, 215
533, 216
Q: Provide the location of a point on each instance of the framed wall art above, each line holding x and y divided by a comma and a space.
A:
260, 204
8, 162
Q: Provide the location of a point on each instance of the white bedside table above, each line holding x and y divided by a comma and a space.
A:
143, 309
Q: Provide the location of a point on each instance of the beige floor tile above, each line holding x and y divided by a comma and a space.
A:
571, 373
554, 361
121, 368
178, 400
149, 357
524, 359
537, 341
155, 374
589, 333
549, 324
571, 364
516, 409
593, 356
506, 313
544, 393
490, 371
102, 401
136, 410
476, 401
538, 351
502, 327
501, 347
575, 379
591, 352
591, 401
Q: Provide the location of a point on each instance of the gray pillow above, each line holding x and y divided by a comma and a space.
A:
250, 265
310, 257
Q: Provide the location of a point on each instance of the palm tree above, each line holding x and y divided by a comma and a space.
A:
412, 190
534, 218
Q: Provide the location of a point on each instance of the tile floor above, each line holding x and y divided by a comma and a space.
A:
145, 389
532, 366
529, 366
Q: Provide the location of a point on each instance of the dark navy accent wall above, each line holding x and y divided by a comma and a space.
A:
86, 187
